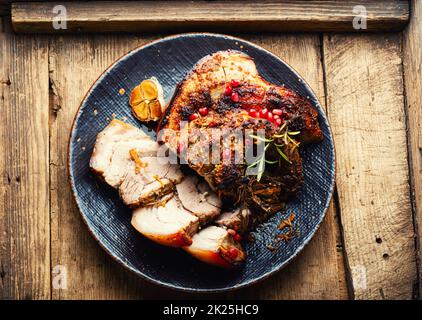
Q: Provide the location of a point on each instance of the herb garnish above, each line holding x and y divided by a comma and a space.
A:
282, 139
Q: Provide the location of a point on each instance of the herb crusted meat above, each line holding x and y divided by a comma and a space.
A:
225, 91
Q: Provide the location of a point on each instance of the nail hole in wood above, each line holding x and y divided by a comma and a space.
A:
378, 240
386, 256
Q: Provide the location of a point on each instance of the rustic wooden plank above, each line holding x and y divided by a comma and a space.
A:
75, 62
24, 208
365, 107
412, 50
239, 16
314, 273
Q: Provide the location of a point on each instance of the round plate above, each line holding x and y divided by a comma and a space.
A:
169, 60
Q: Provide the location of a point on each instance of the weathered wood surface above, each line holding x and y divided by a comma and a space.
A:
314, 274
366, 110
225, 16
363, 86
412, 51
24, 204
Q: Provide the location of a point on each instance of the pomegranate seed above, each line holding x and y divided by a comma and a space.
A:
180, 147
248, 142
278, 122
253, 113
193, 116
203, 111
226, 154
276, 116
235, 83
270, 117
237, 237
231, 232
234, 97
278, 112
233, 253
263, 113
228, 91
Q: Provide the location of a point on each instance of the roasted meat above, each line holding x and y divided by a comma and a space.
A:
214, 245
224, 91
126, 158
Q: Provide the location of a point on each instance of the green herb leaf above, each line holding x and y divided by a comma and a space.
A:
271, 162
293, 133
261, 138
283, 155
260, 169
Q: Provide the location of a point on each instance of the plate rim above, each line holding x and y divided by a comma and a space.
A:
245, 284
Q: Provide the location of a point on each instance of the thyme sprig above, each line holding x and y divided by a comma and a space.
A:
286, 138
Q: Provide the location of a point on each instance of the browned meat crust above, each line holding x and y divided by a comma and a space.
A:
205, 87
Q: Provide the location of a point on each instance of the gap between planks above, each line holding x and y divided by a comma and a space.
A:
223, 16
365, 99
412, 62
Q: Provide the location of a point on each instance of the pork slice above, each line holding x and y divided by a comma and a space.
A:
166, 223
110, 158
197, 197
214, 245
144, 185
238, 219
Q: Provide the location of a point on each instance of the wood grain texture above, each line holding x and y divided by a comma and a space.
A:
412, 50
24, 207
314, 273
365, 108
239, 16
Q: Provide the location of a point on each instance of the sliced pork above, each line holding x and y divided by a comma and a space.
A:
166, 223
173, 222
214, 245
126, 158
197, 197
146, 183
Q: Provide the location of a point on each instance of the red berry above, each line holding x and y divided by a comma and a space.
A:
237, 237
276, 116
253, 113
203, 111
278, 112
226, 154
235, 83
234, 97
231, 232
180, 147
263, 113
193, 116
228, 91
233, 253
278, 122
270, 117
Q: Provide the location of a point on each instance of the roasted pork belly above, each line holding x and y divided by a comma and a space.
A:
126, 158
167, 223
214, 245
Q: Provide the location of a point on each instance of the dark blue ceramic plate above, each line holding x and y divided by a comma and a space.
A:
108, 219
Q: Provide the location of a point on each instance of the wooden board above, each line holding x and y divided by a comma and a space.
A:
24, 204
413, 83
366, 110
224, 16
314, 274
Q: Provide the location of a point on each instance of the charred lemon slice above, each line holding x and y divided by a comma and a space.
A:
147, 100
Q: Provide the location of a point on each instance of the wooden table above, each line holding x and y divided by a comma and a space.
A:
368, 245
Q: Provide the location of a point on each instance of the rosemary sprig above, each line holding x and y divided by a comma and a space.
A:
286, 136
